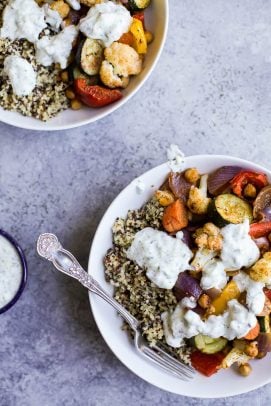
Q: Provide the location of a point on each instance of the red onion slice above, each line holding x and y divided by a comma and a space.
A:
219, 180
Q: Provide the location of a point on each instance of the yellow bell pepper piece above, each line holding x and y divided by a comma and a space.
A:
140, 42
230, 292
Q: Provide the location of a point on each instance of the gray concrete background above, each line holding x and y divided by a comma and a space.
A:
210, 93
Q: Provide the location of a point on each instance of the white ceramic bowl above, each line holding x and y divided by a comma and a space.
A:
157, 22
224, 383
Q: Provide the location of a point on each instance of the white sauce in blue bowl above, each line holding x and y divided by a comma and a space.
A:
13, 271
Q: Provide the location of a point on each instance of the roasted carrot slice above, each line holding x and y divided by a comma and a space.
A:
253, 333
175, 217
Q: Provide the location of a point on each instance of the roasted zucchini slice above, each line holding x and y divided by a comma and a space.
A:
209, 345
92, 55
136, 5
228, 208
264, 322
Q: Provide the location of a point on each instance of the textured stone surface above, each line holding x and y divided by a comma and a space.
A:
211, 93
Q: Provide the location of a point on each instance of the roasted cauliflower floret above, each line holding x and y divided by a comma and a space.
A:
198, 201
124, 59
110, 79
209, 237
235, 355
261, 270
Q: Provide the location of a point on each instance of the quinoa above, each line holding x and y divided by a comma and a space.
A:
47, 99
142, 298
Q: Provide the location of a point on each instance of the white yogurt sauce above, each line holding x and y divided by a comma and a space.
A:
22, 19
235, 322
52, 17
238, 250
213, 275
255, 297
75, 4
175, 158
21, 75
56, 49
163, 256
106, 21
10, 272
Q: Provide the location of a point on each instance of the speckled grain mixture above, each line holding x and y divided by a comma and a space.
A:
47, 99
132, 288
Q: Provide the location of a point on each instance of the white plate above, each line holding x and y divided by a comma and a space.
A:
157, 22
224, 383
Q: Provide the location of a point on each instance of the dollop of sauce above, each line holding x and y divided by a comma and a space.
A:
213, 275
106, 21
21, 75
163, 256
182, 323
238, 250
22, 19
52, 17
56, 49
10, 271
255, 296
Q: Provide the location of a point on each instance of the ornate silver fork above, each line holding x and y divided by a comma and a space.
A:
50, 248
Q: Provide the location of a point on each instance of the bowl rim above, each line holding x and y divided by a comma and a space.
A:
24, 271
109, 110
94, 305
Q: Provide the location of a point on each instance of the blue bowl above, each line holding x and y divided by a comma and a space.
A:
24, 271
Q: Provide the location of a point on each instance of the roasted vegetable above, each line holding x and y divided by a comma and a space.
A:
208, 237
206, 364
262, 203
186, 285
91, 56
253, 333
261, 270
264, 322
260, 229
95, 96
175, 217
219, 180
140, 42
228, 208
198, 201
179, 185
76, 73
136, 5
230, 292
264, 342
238, 183
209, 345
235, 355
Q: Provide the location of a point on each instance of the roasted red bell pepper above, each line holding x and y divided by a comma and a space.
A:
260, 229
267, 293
94, 95
206, 364
259, 180
139, 15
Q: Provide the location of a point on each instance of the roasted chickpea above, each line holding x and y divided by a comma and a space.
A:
149, 37
64, 76
204, 301
192, 175
250, 191
76, 104
70, 94
245, 369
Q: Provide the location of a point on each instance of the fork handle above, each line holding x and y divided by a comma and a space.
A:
49, 247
